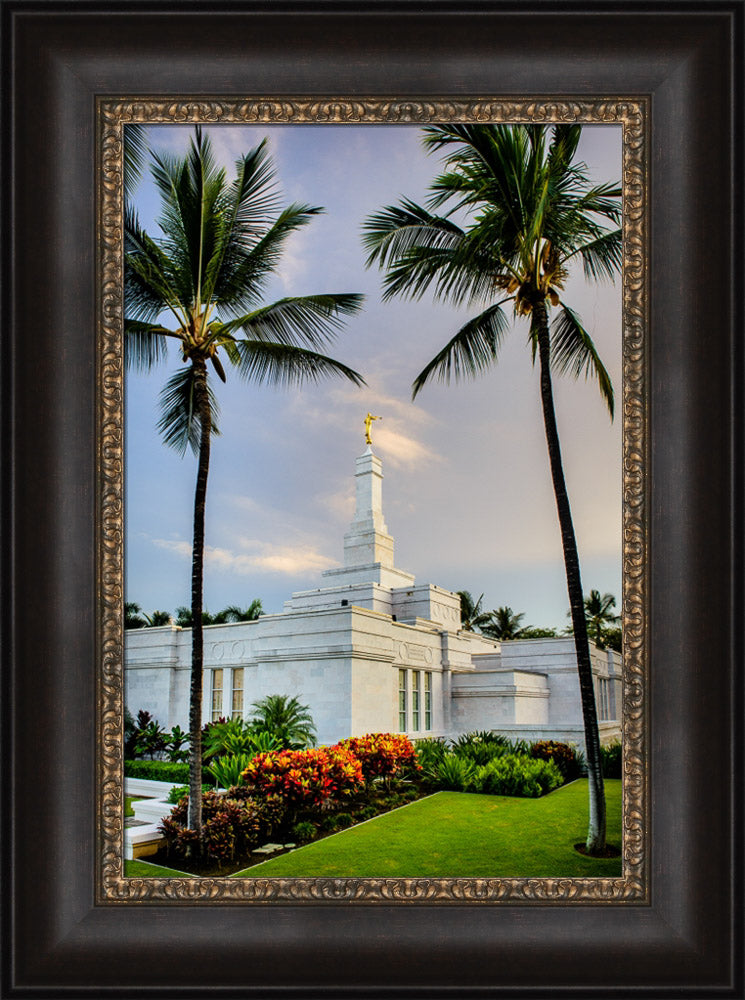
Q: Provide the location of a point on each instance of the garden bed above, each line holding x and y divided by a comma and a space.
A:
340, 816
279, 800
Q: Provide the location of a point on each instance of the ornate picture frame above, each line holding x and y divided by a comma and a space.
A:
632, 116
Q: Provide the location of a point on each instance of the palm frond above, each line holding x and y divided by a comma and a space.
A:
246, 212
145, 344
419, 249
254, 194
472, 350
150, 286
603, 200
573, 352
179, 421
191, 190
602, 259
310, 320
287, 365
245, 270
136, 152
390, 234
564, 142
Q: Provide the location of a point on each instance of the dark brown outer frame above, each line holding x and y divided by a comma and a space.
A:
58, 59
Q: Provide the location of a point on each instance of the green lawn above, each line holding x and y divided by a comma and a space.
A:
142, 869
454, 834
128, 800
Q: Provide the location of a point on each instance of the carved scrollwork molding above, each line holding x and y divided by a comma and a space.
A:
112, 114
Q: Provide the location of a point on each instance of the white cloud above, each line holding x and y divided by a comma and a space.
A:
339, 503
399, 435
287, 560
402, 449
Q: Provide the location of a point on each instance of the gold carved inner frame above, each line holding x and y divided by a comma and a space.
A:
112, 885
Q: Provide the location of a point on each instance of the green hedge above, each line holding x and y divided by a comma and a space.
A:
162, 770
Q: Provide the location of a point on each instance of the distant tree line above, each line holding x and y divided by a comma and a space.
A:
603, 626
135, 617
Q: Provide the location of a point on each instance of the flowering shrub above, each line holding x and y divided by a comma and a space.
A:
563, 755
304, 778
230, 826
382, 755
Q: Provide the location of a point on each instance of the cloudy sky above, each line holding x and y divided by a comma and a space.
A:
467, 493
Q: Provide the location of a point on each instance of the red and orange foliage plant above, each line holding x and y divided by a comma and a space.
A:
231, 827
305, 778
382, 755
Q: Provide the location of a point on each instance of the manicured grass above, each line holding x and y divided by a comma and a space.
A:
128, 800
142, 869
455, 834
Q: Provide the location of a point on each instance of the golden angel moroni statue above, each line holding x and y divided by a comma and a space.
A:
368, 422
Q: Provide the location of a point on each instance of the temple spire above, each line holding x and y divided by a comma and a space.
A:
367, 540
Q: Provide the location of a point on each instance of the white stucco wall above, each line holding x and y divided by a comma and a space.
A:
343, 662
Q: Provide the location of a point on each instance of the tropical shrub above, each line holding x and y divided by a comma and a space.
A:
179, 791
513, 774
303, 831
611, 760
382, 755
563, 755
177, 745
230, 827
343, 820
452, 773
283, 717
430, 752
148, 737
480, 747
409, 794
228, 770
304, 778
236, 736
227, 736
144, 736
262, 742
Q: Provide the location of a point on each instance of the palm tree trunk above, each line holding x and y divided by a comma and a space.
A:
596, 830
197, 574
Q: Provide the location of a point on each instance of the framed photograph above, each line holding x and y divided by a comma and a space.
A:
662, 917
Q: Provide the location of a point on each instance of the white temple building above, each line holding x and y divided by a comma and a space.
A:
373, 651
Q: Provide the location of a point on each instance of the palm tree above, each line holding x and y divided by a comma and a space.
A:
599, 615
185, 619
132, 615
471, 615
284, 718
503, 623
221, 243
235, 614
158, 618
531, 213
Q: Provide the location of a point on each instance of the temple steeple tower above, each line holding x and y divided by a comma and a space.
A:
367, 540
